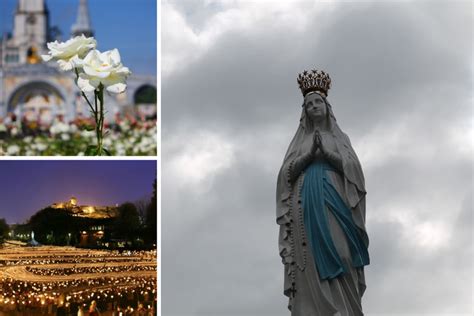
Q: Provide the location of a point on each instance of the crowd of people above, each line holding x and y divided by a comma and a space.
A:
126, 134
125, 295
120, 293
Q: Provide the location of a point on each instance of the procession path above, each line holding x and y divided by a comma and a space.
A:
19, 258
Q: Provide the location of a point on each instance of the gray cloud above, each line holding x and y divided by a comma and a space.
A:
402, 90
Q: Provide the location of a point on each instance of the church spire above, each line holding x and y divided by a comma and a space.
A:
83, 23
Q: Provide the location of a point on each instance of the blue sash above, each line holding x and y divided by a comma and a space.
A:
317, 195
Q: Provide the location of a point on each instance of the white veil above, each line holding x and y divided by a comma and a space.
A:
354, 181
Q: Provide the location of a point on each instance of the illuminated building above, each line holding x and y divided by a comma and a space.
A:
89, 211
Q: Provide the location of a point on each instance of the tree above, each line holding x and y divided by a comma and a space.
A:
142, 207
3, 230
151, 219
51, 226
145, 95
127, 222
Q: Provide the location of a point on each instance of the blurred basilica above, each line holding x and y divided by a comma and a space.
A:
34, 90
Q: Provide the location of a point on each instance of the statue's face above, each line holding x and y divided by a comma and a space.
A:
315, 107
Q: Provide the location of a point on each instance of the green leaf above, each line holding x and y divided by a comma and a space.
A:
106, 152
88, 127
91, 151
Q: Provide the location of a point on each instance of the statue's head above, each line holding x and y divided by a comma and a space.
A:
315, 107
314, 85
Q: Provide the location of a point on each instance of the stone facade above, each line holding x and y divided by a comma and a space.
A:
36, 90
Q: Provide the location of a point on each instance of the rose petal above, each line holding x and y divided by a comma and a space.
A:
115, 56
77, 62
93, 72
65, 65
85, 85
117, 88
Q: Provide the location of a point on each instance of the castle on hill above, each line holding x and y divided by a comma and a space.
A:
89, 211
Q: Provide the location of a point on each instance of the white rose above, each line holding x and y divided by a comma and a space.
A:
124, 125
41, 146
107, 142
14, 131
13, 150
73, 128
69, 53
103, 68
120, 149
58, 128
86, 134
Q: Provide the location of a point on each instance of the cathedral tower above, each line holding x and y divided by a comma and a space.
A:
30, 32
83, 23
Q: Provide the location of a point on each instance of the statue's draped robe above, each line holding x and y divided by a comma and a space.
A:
329, 291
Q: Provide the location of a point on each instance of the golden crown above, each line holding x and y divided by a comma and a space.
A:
314, 81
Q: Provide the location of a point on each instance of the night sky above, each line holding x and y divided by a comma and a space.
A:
28, 186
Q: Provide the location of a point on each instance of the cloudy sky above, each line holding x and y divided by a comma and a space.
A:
402, 90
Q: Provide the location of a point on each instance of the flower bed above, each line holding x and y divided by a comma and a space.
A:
126, 138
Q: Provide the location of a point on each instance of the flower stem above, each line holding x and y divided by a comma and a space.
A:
98, 111
82, 92
97, 123
99, 118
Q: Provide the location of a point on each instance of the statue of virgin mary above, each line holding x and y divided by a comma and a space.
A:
323, 241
